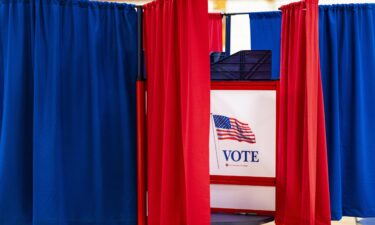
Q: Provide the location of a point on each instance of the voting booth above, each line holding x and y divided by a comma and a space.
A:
242, 140
243, 134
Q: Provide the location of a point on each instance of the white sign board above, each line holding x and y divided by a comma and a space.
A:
243, 133
243, 144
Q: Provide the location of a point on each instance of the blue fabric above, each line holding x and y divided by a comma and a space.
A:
347, 52
67, 112
222, 122
266, 35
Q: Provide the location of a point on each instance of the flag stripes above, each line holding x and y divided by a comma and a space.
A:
228, 128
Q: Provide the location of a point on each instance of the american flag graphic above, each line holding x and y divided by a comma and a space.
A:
232, 129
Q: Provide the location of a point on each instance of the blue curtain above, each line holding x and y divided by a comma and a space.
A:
347, 51
266, 35
67, 112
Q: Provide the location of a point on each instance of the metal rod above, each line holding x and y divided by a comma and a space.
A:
141, 153
215, 139
227, 34
234, 14
140, 75
141, 127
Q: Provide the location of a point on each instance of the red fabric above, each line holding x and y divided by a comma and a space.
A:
302, 174
215, 32
178, 111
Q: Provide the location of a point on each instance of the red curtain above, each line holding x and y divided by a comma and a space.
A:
302, 175
178, 110
215, 32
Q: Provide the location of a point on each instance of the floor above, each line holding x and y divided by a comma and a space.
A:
344, 221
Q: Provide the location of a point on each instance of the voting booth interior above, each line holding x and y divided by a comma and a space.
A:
244, 103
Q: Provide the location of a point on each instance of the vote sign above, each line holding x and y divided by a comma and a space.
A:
243, 140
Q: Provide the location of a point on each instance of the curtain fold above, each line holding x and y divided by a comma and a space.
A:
302, 173
347, 48
178, 109
67, 106
215, 32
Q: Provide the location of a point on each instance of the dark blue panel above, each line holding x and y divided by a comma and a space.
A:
266, 35
67, 97
243, 65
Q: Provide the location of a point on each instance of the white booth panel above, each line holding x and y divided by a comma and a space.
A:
243, 197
